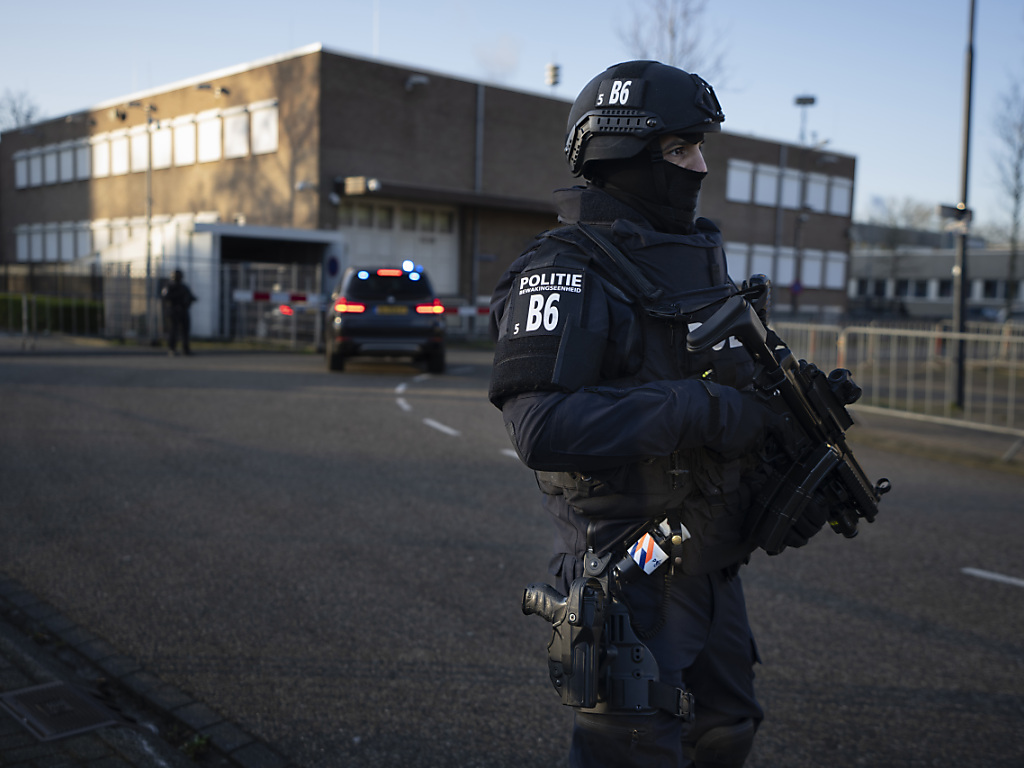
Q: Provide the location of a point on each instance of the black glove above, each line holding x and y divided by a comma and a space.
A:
810, 522
746, 422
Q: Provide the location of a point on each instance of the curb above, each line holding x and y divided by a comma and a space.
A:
59, 637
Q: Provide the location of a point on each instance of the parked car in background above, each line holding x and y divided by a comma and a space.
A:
385, 312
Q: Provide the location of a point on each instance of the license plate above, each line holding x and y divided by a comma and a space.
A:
392, 310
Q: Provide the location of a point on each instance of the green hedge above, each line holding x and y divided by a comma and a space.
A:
52, 314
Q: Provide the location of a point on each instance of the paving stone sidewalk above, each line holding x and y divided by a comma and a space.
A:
157, 726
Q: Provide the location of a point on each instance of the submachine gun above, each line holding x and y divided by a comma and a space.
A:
813, 463
596, 659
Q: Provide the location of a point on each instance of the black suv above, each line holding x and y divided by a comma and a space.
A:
385, 311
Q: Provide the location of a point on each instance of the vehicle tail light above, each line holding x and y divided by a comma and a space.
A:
286, 310
436, 308
342, 306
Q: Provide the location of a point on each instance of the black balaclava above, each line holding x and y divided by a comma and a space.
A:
663, 192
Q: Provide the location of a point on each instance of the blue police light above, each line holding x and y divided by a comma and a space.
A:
414, 276
363, 274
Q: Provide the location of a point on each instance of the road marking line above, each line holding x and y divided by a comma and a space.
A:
421, 377
441, 427
403, 405
400, 389
993, 576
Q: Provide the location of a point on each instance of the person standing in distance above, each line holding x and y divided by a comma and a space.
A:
624, 426
178, 298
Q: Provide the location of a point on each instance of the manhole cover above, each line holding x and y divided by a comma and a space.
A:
55, 710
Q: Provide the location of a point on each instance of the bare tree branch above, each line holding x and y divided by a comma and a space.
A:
16, 110
673, 32
1009, 159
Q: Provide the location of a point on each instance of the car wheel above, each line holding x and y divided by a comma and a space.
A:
435, 361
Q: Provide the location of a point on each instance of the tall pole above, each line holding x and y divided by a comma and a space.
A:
961, 284
150, 325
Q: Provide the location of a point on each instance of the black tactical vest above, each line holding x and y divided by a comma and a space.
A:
654, 288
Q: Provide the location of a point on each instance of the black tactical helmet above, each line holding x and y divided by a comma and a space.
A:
618, 112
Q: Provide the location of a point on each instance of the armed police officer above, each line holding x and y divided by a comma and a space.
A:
637, 442
179, 298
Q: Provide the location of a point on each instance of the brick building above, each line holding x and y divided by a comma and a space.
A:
310, 159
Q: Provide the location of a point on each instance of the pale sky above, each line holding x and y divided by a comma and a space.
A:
888, 75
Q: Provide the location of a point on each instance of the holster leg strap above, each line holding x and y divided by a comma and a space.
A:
678, 702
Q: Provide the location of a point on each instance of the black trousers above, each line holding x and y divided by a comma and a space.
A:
180, 327
706, 643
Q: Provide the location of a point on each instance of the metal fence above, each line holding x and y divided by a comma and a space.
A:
107, 301
905, 369
915, 371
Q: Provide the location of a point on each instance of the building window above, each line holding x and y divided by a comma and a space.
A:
766, 185
264, 127
407, 219
184, 140
835, 270
51, 243
811, 266
161, 141
67, 162
345, 215
35, 169
840, 196
119, 153
139, 138
50, 162
945, 288
878, 289
364, 215
83, 154
67, 241
739, 181
35, 252
208, 130
990, 289
236, 133
21, 244
737, 257
791, 185
20, 171
816, 192
83, 241
100, 157
385, 217
100, 234
446, 221
426, 221
920, 289
762, 261
902, 288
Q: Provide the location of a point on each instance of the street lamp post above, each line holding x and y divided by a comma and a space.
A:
150, 324
960, 281
149, 109
804, 102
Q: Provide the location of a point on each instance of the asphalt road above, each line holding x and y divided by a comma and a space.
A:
335, 563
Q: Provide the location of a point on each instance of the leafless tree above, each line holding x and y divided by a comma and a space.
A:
902, 213
1009, 158
673, 32
16, 110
